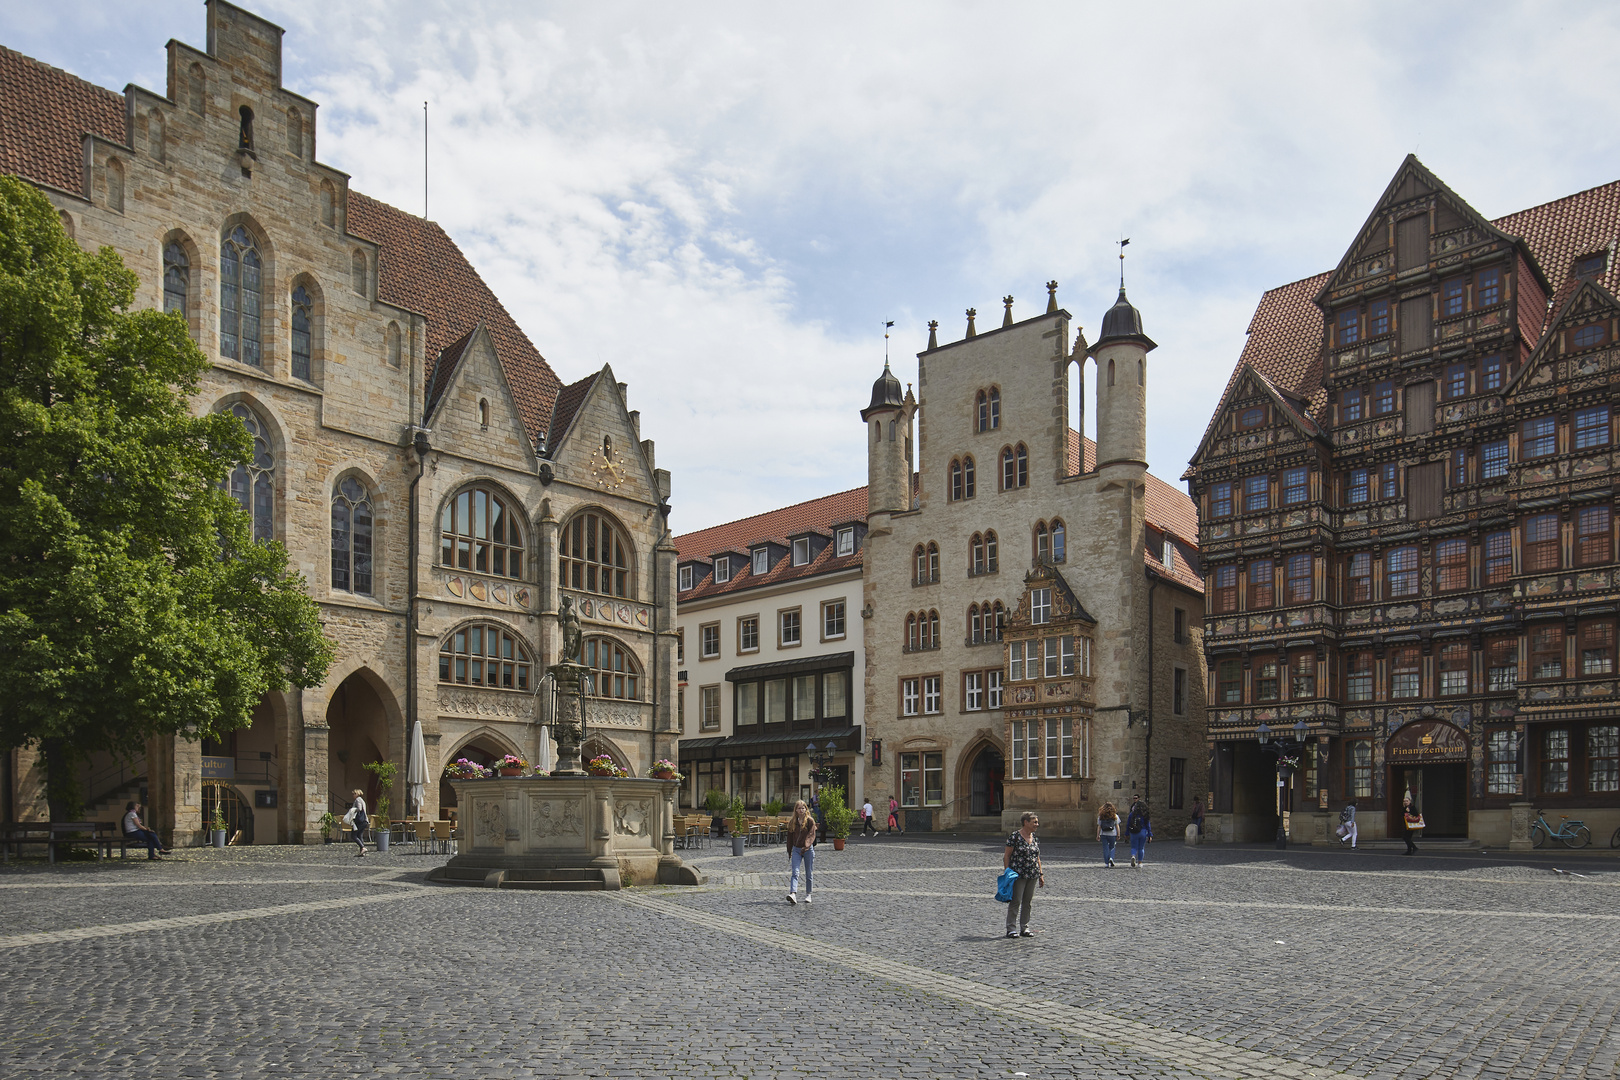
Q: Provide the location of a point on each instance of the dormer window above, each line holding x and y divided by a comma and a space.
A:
1168, 556
1040, 606
762, 561
801, 551
722, 570
846, 542
685, 578
1590, 265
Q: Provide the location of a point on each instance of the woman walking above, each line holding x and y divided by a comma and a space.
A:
801, 845
1023, 854
1411, 823
1139, 827
1108, 831
894, 816
359, 820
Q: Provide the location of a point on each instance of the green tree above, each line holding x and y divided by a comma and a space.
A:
133, 600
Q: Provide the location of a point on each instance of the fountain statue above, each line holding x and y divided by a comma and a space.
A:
568, 725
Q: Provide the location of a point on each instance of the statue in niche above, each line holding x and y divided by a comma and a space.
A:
244, 140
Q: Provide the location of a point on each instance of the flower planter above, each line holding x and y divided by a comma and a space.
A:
737, 843
381, 836
511, 772
219, 837
838, 843
662, 775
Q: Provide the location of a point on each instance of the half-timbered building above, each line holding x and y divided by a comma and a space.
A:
1406, 499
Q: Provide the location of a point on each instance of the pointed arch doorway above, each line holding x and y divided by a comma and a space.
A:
985, 778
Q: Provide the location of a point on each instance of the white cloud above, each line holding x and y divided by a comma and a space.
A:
725, 201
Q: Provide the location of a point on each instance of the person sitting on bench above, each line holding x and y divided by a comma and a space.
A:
140, 834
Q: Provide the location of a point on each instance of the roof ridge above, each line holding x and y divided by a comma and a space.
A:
1554, 202
63, 72
776, 510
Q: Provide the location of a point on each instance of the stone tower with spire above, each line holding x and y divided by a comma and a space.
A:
1008, 501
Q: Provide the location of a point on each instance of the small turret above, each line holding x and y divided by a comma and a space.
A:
888, 445
1121, 353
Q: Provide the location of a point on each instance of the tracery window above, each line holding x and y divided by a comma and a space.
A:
956, 480
596, 556
240, 298
479, 531
990, 551
253, 484
989, 409
176, 279
351, 537
1060, 548
967, 476
613, 672
1014, 467
483, 654
301, 325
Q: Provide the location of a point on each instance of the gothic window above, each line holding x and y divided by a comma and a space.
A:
976, 549
613, 672
239, 298
989, 409
480, 531
1014, 467
975, 628
1042, 550
485, 655
1060, 550
302, 325
994, 617
956, 480
597, 556
253, 484
351, 537
391, 344
967, 477
357, 272
912, 640
176, 279
990, 552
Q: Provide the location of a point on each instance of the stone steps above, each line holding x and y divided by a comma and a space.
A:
562, 880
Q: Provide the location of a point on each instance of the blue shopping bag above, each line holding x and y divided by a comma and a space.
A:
1004, 885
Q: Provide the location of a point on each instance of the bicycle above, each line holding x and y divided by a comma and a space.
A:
1614, 841
1574, 834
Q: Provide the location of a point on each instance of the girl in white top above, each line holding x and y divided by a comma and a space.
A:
361, 821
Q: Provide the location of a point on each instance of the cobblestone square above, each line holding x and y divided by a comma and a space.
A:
1207, 962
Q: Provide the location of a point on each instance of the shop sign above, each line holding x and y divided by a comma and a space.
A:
218, 768
1432, 740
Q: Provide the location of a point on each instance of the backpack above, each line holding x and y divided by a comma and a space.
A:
1136, 822
1344, 815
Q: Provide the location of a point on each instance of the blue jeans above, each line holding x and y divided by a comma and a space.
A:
149, 838
806, 856
1139, 845
1109, 843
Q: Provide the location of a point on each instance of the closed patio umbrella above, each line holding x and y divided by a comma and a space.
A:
416, 767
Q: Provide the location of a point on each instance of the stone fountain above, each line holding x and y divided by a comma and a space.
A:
569, 829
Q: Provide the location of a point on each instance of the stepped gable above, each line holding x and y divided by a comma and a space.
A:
46, 115
815, 515
421, 269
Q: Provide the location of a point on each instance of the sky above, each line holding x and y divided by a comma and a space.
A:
727, 201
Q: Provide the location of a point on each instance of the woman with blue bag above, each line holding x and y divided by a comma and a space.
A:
1023, 855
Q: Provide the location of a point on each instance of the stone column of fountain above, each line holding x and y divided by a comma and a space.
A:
568, 725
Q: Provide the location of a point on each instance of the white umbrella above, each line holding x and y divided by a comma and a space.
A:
416, 767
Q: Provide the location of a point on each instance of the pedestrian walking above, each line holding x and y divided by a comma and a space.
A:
1411, 822
1198, 815
140, 834
1108, 831
1023, 854
1139, 828
801, 846
1348, 833
868, 822
357, 820
894, 816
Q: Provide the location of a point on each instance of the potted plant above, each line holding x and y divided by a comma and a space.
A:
774, 807
329, 821
601, 765
838, 816
221, 826
739, 824
716, 802
664, 769
462, 769
384, 771
511, 765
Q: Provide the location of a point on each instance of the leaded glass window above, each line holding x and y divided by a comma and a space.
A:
351, 537
478, 531
253, 484
176, 279
596, 556
301, 307
484, 655
240, 298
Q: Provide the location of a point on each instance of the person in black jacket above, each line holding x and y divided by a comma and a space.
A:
1411, 823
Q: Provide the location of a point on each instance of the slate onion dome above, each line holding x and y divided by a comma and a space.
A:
1123, 323
886, 394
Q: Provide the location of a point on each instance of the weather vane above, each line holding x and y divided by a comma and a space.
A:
886, 342
1122, 245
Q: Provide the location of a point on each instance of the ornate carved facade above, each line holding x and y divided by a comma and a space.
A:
1406, 499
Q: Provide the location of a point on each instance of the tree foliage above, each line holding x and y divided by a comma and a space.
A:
133, 600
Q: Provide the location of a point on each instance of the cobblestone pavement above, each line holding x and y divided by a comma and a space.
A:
1207, 962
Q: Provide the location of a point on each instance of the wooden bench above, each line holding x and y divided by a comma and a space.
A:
60, 834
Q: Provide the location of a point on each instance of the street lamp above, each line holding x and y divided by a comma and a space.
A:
1288, 753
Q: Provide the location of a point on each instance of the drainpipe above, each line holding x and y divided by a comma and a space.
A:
421, 444
1147, 741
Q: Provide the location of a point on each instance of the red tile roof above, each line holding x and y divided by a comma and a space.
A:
815, 515
44, 115
420, 268
569, 399
1285, 335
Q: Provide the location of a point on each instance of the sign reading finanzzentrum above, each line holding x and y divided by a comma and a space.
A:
1428, 741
